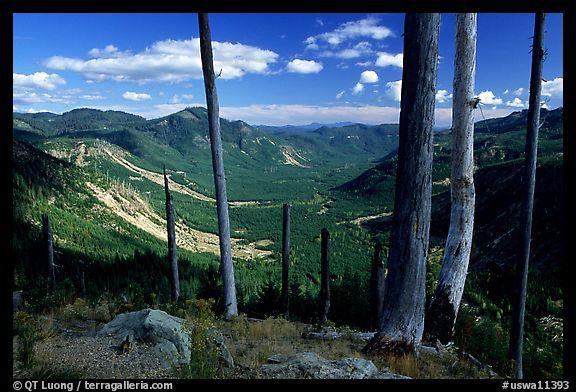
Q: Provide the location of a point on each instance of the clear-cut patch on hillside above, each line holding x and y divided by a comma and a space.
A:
134, 210
291, 156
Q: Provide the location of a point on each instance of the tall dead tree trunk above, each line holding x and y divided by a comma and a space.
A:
377, 286
402, 322
324, 276
49, 243
171, 230
528, 184
226, 265
286, 259
443, 309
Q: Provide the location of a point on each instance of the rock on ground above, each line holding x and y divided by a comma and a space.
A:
17, 301
312, 366
166, 333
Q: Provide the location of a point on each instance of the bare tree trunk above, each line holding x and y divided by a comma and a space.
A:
528, 184
324, 276
226, 265
402, 322
441, 315
377, 286
47, 229
286, 259
171, 230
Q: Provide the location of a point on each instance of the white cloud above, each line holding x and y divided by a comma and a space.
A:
360, 49
109, 51
169, 61
320, 22
367, 27
340, 94
553, 88
368, 77
132, 96
394, 90
364, 64
506, 91
178, 98
92, 97
357, 89
387, 59
304, 66
29, 97
40, 80
518, 92
488, 98
515, 103
443, 96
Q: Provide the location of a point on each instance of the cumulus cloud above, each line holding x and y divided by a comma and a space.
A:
31, 97
394, 90
443, 96
358, 50
368, 77
518, 92
368, 28
92, 97
553, 88
178, 98
340, 94
304, 66
515, 103
168, 61
358, 88
389, 60
132, 96
40, 80
108, 52
488, 98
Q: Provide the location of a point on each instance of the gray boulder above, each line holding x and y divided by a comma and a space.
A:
312, 366
166, 333
17, 301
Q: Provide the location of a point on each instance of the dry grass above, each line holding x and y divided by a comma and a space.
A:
251, 343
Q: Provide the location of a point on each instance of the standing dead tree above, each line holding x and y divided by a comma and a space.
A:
324, 276
402, 323
528, 185
286, 259
376, 286
443, 309
49, 242
171, 230
226, 265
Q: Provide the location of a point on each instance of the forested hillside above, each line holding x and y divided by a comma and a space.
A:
98, 176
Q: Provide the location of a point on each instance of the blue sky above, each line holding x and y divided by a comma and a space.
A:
276, 68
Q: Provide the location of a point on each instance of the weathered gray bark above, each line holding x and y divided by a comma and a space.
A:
443, 309
171, 230
528, 184
324, 276
402, 322
226, 265
49, 242
286, 259
377, 286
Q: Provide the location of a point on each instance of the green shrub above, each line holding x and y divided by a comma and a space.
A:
28, 330
204, 356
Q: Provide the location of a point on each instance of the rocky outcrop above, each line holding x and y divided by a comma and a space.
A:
311, 366
17, 301
168, 335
